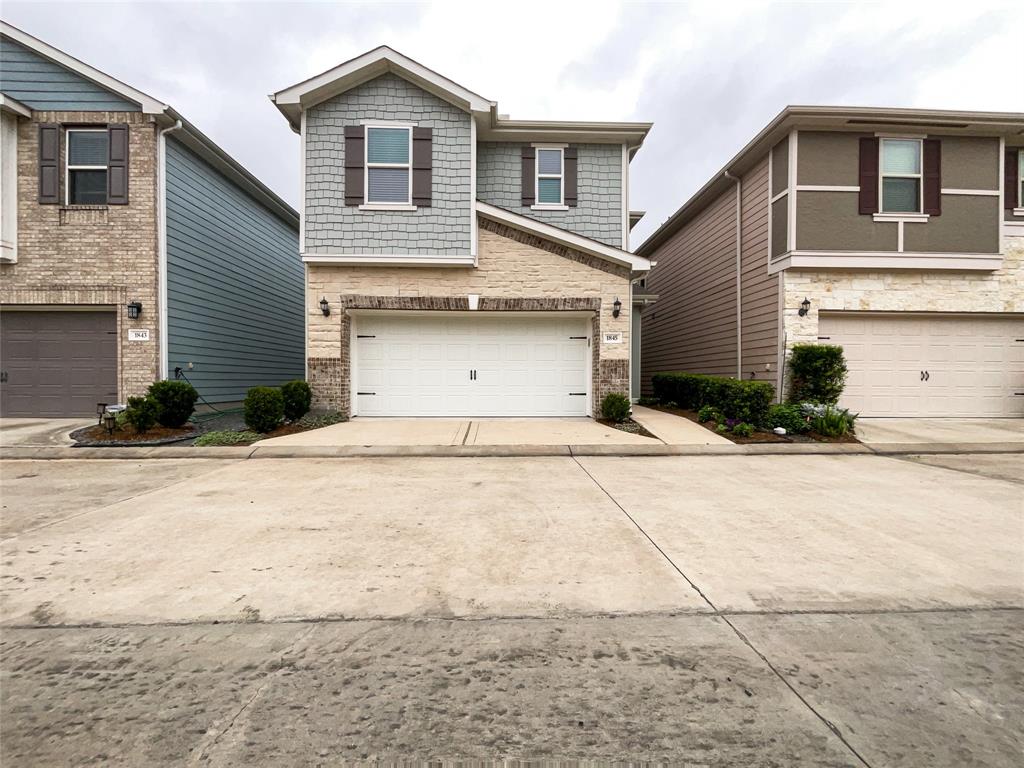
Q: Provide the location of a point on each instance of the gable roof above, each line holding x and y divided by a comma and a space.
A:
166, 117
146, 103
491, 126
382, 59
563, 237
855, 119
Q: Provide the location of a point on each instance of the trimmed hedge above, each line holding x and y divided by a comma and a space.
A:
175, 400
747, 401
817, 373
615, 407
297, 399
264, 408
141, 413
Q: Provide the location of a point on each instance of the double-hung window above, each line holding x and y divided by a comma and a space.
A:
388, 166
901, 177
87, 153
550, 177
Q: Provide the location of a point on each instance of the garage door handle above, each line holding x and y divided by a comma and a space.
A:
3, 377
925, 375
578, 394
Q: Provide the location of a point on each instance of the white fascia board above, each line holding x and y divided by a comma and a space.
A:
7, 104
564, 237
150, 106
886, 261
372, 64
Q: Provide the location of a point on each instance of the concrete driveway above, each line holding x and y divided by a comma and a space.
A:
39, 433
883, 431
862, 610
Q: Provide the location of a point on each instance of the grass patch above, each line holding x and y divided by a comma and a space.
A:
228, 437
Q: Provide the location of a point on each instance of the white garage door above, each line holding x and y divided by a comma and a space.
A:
446, 364
930, 365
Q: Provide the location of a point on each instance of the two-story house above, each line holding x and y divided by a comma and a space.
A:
895, 233
132, 246
459, 262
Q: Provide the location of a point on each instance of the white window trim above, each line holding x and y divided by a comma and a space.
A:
1019, 210
68, 168
882, 176
537, 176
369, 205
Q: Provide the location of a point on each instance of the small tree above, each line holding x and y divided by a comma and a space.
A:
817, 373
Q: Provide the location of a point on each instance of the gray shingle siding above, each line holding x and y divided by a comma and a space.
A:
599, 212
235, 284
40, 84
332, 227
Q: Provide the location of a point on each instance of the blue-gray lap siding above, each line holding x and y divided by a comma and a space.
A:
598, 213
235, 284
443, 229
40, 84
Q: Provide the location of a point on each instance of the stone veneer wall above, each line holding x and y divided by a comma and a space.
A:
902, 291
92, 255
516, 272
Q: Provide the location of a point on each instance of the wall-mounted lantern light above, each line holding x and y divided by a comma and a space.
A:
805, 307
325, 307
134, 310
616, 307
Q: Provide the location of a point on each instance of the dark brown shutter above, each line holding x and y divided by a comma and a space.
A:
1011, 182
49, 164
529, 190
569, 179
117, 165
932, 177
868, 175
422, 165
355, 154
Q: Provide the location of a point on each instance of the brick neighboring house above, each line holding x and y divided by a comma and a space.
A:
458, 262
114, 205
895, 233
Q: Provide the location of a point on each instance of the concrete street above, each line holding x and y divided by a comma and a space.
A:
709, 610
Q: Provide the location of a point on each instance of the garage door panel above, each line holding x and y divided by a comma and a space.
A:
525, 366
58, 363
974, 364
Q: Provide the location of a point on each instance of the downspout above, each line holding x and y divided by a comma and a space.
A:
739, 274
161, 236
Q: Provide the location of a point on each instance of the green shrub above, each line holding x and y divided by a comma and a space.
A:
318, 420
743, 429
787, 416
228, 437
741, 400
722, 428
615, 407
817, 372
709, 413
648, 401
141, 413
264, 408
175, 400
833, 422
297, 399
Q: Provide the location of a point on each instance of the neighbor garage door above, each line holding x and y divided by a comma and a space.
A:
57, 363
930, 365
471, 365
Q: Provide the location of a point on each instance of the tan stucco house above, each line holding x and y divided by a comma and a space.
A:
458, 262
895, 233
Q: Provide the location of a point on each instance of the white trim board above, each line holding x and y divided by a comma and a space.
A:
886, 260
388, 259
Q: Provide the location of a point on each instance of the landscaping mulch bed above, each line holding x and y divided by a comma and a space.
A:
97, 435
633, 427
759, 436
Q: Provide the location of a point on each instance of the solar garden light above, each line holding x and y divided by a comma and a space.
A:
110, 421
101, 408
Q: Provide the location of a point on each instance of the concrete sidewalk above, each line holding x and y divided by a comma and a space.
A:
367, 431
676, 430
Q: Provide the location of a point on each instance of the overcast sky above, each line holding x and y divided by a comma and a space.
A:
709, 75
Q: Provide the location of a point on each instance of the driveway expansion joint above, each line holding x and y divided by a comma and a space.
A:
742, 637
